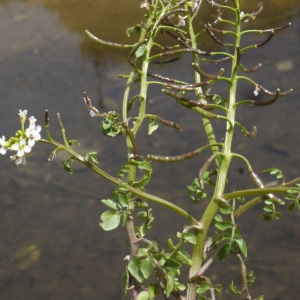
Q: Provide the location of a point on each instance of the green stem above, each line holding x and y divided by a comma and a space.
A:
131, 189
212, 208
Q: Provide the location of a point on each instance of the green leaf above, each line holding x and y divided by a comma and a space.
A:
172, 265
218, 288
71, 142
183, 257
110, 203
111, 125
144, 295
277, 215
267, 218
125, 282
130, 30
123, 199
144, 165
142, 215
171, 244
134, 269
140, 51
153, 290
91, 156
234, 288
67, 165
242, 245
223, 251
146, 266
268, 208
110, 220
225, 209
224, 225
189, 237
169, 285
203, 287
153, 125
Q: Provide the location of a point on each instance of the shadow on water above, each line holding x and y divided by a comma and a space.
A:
51, 246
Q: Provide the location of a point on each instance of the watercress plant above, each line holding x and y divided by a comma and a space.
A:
153, 271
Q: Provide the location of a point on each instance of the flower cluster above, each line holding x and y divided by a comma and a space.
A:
23, 140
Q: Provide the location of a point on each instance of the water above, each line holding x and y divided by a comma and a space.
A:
51, 245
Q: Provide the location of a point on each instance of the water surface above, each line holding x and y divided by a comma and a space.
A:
51, 245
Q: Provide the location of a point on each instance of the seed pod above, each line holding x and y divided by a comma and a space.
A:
172, 158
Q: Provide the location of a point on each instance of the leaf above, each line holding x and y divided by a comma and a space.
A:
110, 203
203, 287
125, 282
71, 142
224, 225
183, 256
110, 220
234, 289
218, 288
146, 266
172, 265
140, 51
144, 165
169, 285
171, 244
153, 125
223, 252
68, 165
242, 245
189, 237
153, 290
123, 199
144, 295
91, 156
134, 269
130, 30
267, 218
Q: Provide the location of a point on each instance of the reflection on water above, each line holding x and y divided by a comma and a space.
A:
51, 246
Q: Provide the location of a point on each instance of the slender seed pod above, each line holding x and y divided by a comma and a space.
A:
46, 117
175, 158
166, 61
250, 70
276, 28
171, 124
187, 87
203, 169
162, 78
266, 40
186, 100
268, 101
260, 184
216, 30
219, 42
203, 73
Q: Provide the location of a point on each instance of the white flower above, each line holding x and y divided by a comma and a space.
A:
242, 16
22, 113
2, 141
18, 160
21, 148
32, 121
181, 21
145, 5
256, 91
33, 134
93, 112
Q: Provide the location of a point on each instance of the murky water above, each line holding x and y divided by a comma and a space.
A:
51, 245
